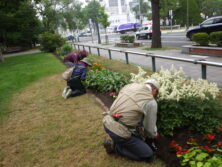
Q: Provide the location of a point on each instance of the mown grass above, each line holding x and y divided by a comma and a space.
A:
117, 66
46, 130
18, 72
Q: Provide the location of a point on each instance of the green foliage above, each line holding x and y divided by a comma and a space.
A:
143, 8
103, 17
216, 38
50, 42
194, 12
198, 157
20, 27
65, 49
198, 114
105, 81
201, 38
210, 7
127, 38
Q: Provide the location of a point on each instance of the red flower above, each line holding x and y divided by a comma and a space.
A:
178, 148
208, 149
173, 144
219, 144
192, 140
210, 136
178, 153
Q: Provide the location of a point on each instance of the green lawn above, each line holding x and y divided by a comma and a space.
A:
19, 71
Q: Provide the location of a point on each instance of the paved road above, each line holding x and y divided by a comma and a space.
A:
214, 74
169, 39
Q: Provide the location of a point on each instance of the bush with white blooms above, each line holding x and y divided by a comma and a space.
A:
183, 102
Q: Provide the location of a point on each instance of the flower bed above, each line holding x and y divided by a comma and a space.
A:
187, 112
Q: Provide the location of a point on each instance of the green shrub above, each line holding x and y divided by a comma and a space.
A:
127, 38
50, 42
216, 38
105, 81
201, 38
65, 49
193, 112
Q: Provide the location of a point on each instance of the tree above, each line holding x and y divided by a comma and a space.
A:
92, 11
194, 13
66, 14
211, 7
142, 9
103, 19
156, 38
19, 26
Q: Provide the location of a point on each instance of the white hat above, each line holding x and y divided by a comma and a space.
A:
154, 82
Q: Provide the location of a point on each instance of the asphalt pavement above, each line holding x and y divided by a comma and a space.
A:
191, 70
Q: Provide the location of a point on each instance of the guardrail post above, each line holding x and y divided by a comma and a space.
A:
153, 64
98, 51
78, 47
74, 45
110, 57
83, 46
127, 59
90, 50
204, 71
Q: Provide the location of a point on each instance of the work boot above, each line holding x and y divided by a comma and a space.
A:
109, 145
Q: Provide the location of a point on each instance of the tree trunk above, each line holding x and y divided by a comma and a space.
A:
156, 37
1, 56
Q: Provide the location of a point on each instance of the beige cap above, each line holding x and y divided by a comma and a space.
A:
87, 61
154, 82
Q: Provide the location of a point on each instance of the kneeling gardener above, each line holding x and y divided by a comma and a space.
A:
134, 105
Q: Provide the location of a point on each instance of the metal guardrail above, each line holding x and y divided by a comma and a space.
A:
202, 62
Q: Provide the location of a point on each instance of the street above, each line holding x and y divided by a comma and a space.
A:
170, 39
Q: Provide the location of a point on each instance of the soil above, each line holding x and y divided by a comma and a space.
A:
181, 136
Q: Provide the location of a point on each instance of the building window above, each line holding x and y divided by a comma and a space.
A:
113, 2
122, 2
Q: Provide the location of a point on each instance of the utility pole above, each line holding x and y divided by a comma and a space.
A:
187, 14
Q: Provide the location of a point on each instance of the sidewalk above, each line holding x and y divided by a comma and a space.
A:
214, 74
22, 53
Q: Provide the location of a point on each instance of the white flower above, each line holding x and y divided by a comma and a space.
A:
175, 86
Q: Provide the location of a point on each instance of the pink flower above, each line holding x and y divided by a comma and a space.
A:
112, 93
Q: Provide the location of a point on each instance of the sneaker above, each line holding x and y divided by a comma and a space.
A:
64, 91
109, 145
68, 93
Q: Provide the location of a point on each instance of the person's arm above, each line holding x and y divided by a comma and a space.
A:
83, 74
150, 118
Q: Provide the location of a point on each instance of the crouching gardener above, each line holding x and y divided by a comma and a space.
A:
75, 86
135, 103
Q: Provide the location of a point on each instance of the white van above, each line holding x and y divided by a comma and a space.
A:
144, 32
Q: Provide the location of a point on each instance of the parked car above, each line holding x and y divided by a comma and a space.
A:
71, 37
84, 34
144, 32
123, 28
210, 25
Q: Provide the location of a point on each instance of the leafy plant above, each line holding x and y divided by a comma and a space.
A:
50, 42
194, 155
184, 103
127, 38
105, 81
201, 38
65, 49
216, 38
